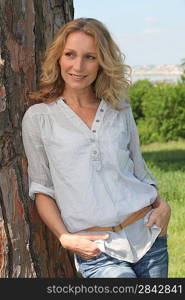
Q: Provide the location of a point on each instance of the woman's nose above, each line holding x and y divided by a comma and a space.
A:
78, 64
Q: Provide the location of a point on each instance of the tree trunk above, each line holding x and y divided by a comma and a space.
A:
27, 248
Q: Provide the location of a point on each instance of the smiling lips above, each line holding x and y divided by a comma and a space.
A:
77, 77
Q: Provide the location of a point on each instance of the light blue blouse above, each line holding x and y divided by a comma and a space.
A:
97, 176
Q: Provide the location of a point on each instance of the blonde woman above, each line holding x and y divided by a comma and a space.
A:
87, 176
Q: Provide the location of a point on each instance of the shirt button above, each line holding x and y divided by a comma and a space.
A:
95, 152
101, 109
97, 120
94, 131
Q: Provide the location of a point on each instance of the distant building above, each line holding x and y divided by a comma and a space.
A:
154, 73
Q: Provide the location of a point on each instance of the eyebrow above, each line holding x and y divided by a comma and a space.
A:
75, 51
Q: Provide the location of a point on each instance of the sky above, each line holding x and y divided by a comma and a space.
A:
148, 32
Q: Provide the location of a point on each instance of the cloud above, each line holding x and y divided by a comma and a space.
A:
151, 19
152, 30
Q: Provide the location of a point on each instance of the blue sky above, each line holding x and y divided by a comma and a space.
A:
147, 31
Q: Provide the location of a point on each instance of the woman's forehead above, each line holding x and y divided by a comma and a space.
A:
80, 40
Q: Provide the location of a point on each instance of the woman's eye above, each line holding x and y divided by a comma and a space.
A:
90, 57
68, 54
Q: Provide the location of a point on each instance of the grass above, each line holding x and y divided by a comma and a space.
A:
167, 163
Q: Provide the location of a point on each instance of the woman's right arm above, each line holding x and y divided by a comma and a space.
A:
79, 243
50, 214
41, 188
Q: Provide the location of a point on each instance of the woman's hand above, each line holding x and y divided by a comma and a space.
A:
82, 243
161, 215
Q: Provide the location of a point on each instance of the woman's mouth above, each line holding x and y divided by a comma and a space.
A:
77, 77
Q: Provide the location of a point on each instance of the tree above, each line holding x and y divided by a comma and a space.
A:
136, 93
27, 247
164, 113
182, 78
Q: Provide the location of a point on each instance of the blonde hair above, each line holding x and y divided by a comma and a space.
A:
112, 80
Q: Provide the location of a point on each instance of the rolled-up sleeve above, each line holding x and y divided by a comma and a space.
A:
141, 171
39, 176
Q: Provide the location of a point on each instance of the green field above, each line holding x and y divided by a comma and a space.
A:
167, 163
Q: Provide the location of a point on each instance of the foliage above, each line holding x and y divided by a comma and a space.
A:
136, 94
159, 110
182, 78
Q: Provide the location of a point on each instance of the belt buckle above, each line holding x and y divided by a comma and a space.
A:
117, 228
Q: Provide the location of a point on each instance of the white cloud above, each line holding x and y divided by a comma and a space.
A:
151, 19
152, 30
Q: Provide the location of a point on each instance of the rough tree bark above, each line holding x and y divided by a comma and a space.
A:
27, 248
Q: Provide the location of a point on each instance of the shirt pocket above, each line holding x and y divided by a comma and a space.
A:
64, 148
116, 137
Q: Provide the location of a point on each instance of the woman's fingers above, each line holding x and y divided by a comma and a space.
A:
159, 217
152, 219
89, 253
94, 236
86, 247
88, 256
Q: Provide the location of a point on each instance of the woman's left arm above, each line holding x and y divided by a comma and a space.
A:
162, 211
161, 215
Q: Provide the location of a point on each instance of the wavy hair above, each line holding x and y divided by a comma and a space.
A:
112, 81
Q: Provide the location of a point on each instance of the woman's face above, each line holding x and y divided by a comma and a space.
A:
79, 63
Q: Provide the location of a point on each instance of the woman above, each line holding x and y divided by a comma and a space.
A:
86, 172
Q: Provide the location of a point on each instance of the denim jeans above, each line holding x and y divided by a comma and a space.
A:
154, 264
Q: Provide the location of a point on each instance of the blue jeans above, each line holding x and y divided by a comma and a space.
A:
154, 264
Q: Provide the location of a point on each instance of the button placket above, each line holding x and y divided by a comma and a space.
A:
95, 154
97, 122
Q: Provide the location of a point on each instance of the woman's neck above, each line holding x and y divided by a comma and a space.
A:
79, 98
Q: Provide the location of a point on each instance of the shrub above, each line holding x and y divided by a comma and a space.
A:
136, 94
162, 112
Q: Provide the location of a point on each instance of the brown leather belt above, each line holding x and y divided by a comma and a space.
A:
133, 218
